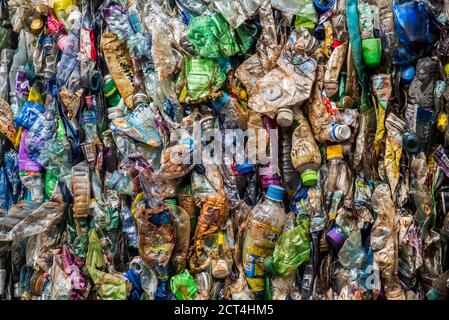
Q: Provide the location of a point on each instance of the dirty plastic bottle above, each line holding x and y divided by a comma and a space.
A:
305, 155
339, 176
265, 224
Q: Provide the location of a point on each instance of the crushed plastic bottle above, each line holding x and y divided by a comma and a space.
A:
227, 149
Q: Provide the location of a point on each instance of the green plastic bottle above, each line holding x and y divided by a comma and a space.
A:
291, 249
183, 286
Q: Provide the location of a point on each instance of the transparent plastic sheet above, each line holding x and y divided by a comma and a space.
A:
236, 12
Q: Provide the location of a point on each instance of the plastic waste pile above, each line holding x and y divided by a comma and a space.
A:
224, 150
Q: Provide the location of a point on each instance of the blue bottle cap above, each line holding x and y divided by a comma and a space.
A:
245, 168
408, 73
275, 192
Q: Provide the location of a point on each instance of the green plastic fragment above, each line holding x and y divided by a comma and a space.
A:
183, 286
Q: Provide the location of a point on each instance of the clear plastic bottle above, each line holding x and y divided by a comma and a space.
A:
81, 190
265, 224
352, 254
6, 56
19, 59
339, 176
69, 60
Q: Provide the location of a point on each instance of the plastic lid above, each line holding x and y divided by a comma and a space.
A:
442, 122
341, 132
335, 238
107, 77
408, 73
139, 98
372, 52
410, 142
275, 192
269, 266
245, 167
284, 117
334, 151
36, 25
309, 178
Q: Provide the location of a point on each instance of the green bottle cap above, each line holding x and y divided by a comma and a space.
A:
372, 52
309, 178
432, 294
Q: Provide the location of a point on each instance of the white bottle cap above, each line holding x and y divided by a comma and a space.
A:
341, 132
284, 117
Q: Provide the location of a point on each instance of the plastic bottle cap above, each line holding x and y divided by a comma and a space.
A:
442, 122
410, 142
334, 151
245, 167
36, 26
284, 117
275, 192
335, 238
341, 132
432, 294
269, 266
309, 178
446, 68
61, 42
408, 73
73, 17
139, 98
106, 78
372, 52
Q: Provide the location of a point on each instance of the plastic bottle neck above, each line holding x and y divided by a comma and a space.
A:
275, 202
